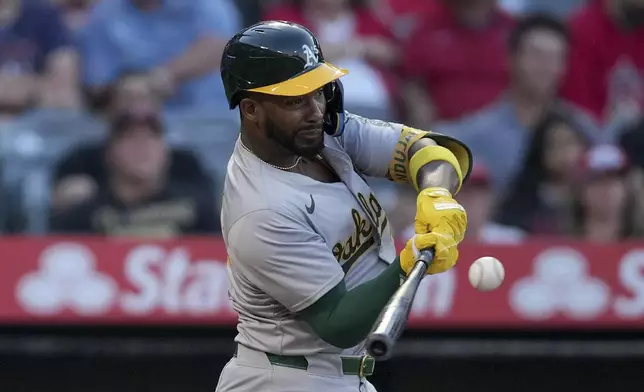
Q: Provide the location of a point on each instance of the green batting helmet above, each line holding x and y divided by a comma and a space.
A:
277, 58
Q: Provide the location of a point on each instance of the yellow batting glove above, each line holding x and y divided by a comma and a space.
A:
435, 208
443, 245
438, 213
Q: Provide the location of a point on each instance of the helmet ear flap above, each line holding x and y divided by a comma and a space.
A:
329, 91
236, 99
334, 116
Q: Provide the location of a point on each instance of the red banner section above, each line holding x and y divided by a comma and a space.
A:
112, 281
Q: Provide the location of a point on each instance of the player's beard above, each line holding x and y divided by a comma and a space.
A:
294, 141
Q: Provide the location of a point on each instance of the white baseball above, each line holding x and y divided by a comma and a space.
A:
486, 273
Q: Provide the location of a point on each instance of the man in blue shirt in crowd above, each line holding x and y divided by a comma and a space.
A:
38, 65
177, 42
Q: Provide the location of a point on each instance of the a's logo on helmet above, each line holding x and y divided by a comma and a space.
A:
311, 55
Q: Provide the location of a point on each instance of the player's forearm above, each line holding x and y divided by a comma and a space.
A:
344, 318
435, 173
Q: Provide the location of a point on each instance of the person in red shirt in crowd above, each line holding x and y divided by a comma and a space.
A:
402, 17
606, 202
457, 62
606, 72
351, 37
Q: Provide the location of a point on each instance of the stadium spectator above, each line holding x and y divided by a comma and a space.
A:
542, 196
80, 173
38, 66
83, 172
631, 140
607, 58
499, 134
253, 10
402, 17
139, 196
177, 42
132, 89
456, 63
477, 196
12, 218
636, 184
557, 8
75, 12
353, 38
606, 202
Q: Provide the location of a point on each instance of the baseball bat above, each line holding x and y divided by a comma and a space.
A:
392, 320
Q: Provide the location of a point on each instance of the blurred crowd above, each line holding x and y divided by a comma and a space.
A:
113, 118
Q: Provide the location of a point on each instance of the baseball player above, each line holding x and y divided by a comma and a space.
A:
312, 260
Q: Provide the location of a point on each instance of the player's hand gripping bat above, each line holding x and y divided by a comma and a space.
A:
393, 318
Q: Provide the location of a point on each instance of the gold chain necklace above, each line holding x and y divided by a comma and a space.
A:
297, 161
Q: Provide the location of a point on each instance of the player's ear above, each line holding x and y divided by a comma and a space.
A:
249, 109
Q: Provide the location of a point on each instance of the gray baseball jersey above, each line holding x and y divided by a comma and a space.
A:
290, 238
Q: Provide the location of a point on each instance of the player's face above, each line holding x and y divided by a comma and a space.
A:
296, 122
